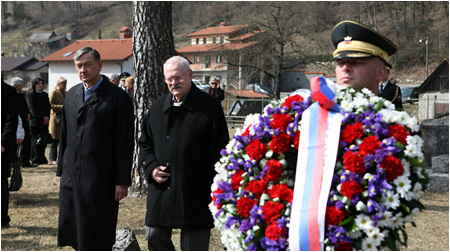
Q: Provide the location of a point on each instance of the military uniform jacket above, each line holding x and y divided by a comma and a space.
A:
393, 94
96, 153
189, 139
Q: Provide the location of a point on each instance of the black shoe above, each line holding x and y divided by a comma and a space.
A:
29, 165
34, 164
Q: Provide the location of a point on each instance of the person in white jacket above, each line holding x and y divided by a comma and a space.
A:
20, 134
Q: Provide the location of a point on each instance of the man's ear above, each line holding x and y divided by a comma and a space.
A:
381, 73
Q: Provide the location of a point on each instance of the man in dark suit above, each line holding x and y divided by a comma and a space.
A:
180, 142
9, 129
215, 90
361, 54
390, 91
95, 158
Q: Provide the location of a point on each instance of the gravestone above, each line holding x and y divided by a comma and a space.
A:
435, 137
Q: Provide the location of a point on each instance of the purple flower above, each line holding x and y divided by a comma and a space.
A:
231, 220
245, 226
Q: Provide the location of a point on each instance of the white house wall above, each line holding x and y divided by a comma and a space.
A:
68, 71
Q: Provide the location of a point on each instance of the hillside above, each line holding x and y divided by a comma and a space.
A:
403, 22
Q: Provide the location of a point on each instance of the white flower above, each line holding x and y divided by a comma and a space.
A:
397, 221
368, 245
355, 234
386, 221
406, 167
413, 124
417, 191
374, 236
403, 185
346, 105
391, 200
414, 147
363, 222
231, 238
389, 105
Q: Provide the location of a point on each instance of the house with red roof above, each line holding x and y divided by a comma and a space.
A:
208, 46
116, 54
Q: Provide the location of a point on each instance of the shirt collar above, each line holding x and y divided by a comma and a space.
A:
92, 89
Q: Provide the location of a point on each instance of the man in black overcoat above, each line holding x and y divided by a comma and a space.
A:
95, 158
390, 91
9, 128
180, 142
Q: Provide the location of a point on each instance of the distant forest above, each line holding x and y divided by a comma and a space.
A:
405, 23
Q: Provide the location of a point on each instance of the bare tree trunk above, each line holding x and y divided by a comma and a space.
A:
152, 46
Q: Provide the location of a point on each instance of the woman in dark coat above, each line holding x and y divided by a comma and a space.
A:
40, 115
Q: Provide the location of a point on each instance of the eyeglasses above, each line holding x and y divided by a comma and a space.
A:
214, 83
176, 78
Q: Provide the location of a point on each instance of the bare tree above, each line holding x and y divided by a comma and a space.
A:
152, 46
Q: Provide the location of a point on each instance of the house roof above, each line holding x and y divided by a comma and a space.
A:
246, 93
227, 29
245, 36
437, 81
214, 47
41, 36
21, 63
109, 49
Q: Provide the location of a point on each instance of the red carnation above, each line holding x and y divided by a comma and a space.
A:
256, 149
274, 171
352, 132
351, 188
273, 232
369, 145
280, 143
236, 179
399, 132
296, 139
288, 102
334, 216
280, 121
392, 167
244, 206
257, 187
344, 246
354, 162
272, 211
281, 191
214, 198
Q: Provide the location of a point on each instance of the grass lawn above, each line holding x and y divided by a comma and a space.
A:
34, 218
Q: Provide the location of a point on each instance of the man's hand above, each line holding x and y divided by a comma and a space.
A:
160, 175
19, 140
121, 192
46, 119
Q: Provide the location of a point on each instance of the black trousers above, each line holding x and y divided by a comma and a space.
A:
5, 201
159, 239
37, 151
54, 150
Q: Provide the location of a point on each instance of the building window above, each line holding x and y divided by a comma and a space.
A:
219, 59
204, 41
196, 59
222, 40
197, 41
207, 61
207, 78
214, 40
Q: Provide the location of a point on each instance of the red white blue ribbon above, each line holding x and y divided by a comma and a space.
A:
319, 139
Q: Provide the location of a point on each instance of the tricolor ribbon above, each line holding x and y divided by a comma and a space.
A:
319, 139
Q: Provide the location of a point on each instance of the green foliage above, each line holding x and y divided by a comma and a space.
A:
19, 13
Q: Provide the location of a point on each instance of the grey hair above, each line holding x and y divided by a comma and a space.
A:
88, 50
16, 81
179, 59
115, 76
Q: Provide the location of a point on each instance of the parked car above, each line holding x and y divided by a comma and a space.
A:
408, 95
257, 88
201, 85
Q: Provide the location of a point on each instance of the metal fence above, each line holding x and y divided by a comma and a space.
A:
237, 109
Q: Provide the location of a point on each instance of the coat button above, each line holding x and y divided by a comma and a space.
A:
144, 162
168, 188
167, 137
